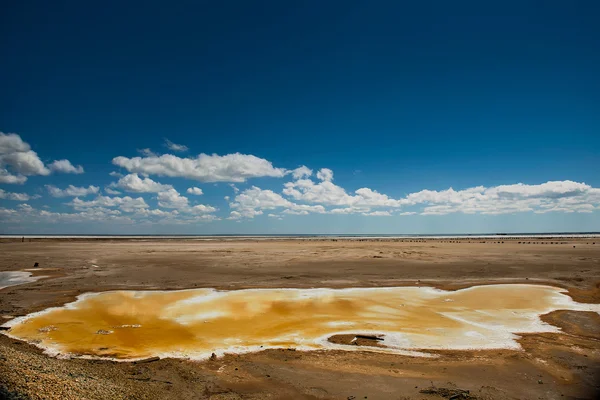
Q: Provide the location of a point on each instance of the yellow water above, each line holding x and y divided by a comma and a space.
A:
127, 325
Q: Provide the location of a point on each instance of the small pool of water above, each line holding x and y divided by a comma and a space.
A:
13, 278
128, 325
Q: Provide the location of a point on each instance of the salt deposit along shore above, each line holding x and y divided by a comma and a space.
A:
129, 325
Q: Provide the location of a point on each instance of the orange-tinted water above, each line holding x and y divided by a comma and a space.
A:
195, 323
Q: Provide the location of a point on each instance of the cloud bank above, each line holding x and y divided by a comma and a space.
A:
300, 192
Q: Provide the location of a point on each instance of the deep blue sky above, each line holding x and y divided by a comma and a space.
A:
393, 96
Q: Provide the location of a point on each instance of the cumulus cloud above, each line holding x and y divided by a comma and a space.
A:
253, 201
302, 172
110, 209
206, 168
18, 156
256, 197
111, 191
378, 214
133, 183
147, 152
12, 143
203, 209
116, 174
296, 212
18, 161
195, 190
26, 213
15, 196
172, 199
244, 213
65, 167
25, 163
552, 196
72, 191
175, 147
564, 196
7, 177
326, 192
125, 204
349, 210
157, 212
323, 192
325, 174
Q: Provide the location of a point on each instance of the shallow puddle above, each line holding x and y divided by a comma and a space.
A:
13, 278
126, 325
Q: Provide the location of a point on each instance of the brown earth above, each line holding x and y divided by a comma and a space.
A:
550, 366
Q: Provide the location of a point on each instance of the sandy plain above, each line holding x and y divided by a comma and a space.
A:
562, 365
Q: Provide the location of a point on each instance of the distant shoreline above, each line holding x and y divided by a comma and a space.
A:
314, 236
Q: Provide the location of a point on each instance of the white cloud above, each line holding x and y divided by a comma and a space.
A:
26, 208
15, 196
378, 214
26, 213
302, 172
252, 201
157, 213
17, 161
203, 209
581, 208
200, 213
65, 167
555, 196
350, 210
172, 199
133, 183
326, 192
206, 168
17, 154
12, 143
313, 209
296, 212
72, 191
125, 204
111, 191
325, 174
258, 198
147, 152
103, 209
245, 213
175, 147
563, 196
369, 197
7, 177
408, 213
195, 190
8, 213
24, 163
116, 174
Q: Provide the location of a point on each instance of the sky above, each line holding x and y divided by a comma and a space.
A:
270, 117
